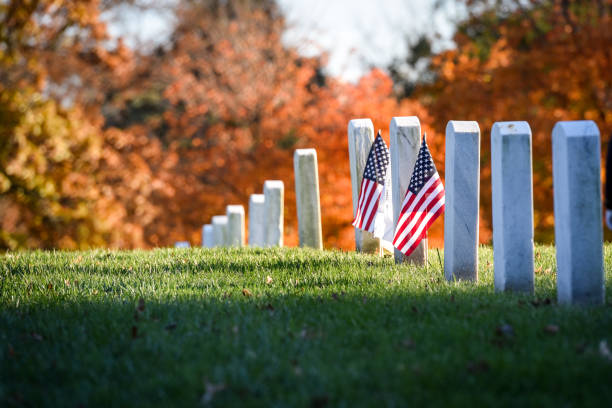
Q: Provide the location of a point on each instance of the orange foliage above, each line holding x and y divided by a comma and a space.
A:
544, 64
103, 146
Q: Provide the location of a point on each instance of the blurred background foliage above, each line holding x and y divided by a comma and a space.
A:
102, 144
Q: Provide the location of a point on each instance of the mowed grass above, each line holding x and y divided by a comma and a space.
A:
290, 327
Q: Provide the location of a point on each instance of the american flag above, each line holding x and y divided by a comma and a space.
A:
372, 185
423, 203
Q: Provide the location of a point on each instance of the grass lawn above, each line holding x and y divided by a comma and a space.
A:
290, 327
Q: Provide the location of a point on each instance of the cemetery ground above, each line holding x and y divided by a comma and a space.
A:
277, 327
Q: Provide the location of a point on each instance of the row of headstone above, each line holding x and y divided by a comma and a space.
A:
577, 201
266, 212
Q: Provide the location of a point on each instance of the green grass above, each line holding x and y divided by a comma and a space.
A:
331, 328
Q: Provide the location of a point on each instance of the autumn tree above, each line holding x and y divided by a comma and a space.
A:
55, 65
540, 61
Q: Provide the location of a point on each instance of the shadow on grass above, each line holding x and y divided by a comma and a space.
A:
327, 343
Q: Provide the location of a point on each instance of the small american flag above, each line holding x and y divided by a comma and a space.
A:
372, 185
423, 203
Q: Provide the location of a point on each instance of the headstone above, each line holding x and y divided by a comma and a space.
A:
274, 209
405, 138
256, 220
578, 223
235, 225
307, 198
181, 244
512, 188
462, 197
208, 238
219, 223
360, 139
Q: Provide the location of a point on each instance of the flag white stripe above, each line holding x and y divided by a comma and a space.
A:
406, 216
360, 199
423, 223
423, 190
360, 219
373, 202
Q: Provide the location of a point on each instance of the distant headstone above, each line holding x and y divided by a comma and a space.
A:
360, 139
181, 244
235, 225
274, 209
208, 238
512, 188
462, 189
578, 223
256, 220
219, 223
307, 198
405, 138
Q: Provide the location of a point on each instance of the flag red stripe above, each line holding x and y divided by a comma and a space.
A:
372, 210
420, 221
416, 220
365, 205
424, 233
414, 202
423, 199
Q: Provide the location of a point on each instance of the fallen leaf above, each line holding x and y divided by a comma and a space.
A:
210, 390
246, 292
67, 282
49, 286
604, 350
505, 330
551, 328
268, 280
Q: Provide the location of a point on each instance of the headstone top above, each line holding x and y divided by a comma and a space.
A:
576, 128
305, 152
360, 123
274, 184
511, 128
219, 219
463, 126
235, 209
207, 227
257, 198
405, 121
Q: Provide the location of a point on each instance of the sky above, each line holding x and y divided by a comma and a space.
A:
355, 34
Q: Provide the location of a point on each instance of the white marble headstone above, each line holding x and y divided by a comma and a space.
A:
235, 225
208, 239
405, 137
462, 199
274, 209
578, 223
256, 220
219, 223
360, 140
512, 189
307, 198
